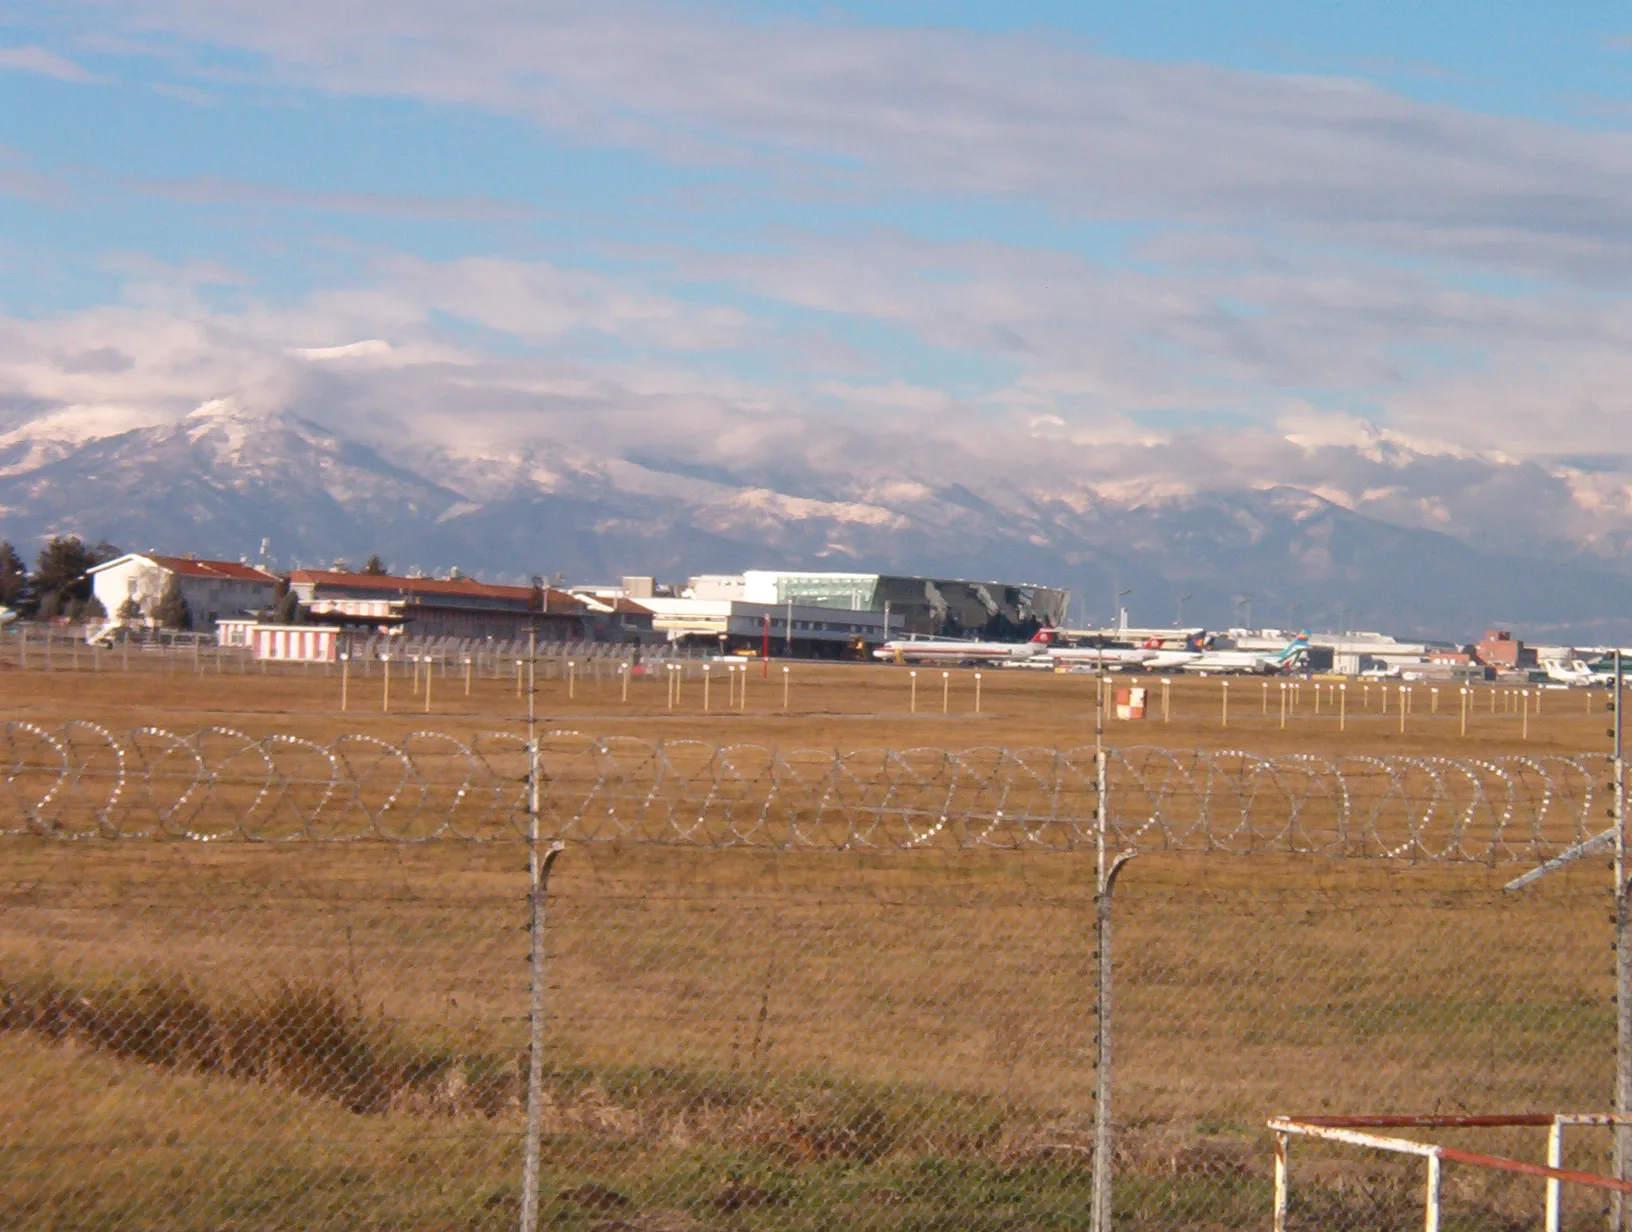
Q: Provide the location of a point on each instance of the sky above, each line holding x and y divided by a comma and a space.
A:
1380, 252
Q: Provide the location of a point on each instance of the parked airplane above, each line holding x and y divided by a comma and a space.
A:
1104, 656
1151, 657
1251, 662
950, 650
1575, 672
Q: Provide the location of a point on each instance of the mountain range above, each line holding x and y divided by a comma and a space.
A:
222, 479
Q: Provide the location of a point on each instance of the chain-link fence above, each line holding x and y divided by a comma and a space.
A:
776, 1000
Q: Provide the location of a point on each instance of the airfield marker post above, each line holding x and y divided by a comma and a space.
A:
1433, 701
623, 670
742, 686
385, 678
913, 705
1538, 701
1283, 704
518, 678
1524, 731
1343, 707
1317, 697
946, 692
977, 692
1224, 704
345, 679
1465, 692
1265, 708
706, 675
572, 679
1401, 707
427, 689
786, 677
1165, 683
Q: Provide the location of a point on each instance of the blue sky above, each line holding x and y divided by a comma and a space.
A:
1088, 244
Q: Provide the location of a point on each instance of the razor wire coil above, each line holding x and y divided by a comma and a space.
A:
83, 780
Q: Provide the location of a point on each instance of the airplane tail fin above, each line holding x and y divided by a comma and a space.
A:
1045, 636
1295, 649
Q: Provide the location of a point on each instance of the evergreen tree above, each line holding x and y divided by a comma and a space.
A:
171, 611
130, 611
61, 575
13, 577
374, 566
287, 610
92, 609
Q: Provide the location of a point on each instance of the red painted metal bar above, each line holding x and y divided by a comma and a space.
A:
1427, 1122
1590, 1179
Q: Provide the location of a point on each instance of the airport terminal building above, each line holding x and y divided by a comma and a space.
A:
936, 607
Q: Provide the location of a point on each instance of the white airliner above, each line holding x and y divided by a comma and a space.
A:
1104, 656
1575, 672
1251, 662
950, 650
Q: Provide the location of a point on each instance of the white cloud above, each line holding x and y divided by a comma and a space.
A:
29, 59
950, 111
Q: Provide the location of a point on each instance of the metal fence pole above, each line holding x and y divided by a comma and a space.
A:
1100, 1215
1623, 964
539, 874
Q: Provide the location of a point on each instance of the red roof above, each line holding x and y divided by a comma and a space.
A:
189, 566
469, 588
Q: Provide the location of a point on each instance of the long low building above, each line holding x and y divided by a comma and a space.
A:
464, 607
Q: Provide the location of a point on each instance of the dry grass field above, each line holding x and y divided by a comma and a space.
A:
302, 1035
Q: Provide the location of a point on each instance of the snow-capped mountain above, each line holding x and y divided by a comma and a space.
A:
221, 479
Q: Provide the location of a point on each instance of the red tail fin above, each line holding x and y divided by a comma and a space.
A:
1045, 635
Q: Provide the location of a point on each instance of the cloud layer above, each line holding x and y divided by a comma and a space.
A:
1199, 278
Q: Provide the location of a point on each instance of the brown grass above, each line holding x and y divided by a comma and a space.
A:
761, 1038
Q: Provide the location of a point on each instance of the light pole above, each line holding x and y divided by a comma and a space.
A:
1243, 603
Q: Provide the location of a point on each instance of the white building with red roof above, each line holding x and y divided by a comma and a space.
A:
214, 589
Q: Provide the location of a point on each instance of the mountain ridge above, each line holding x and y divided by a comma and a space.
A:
220, 479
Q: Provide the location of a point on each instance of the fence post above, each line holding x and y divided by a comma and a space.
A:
1623, 963
539, 877
1100, 1215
